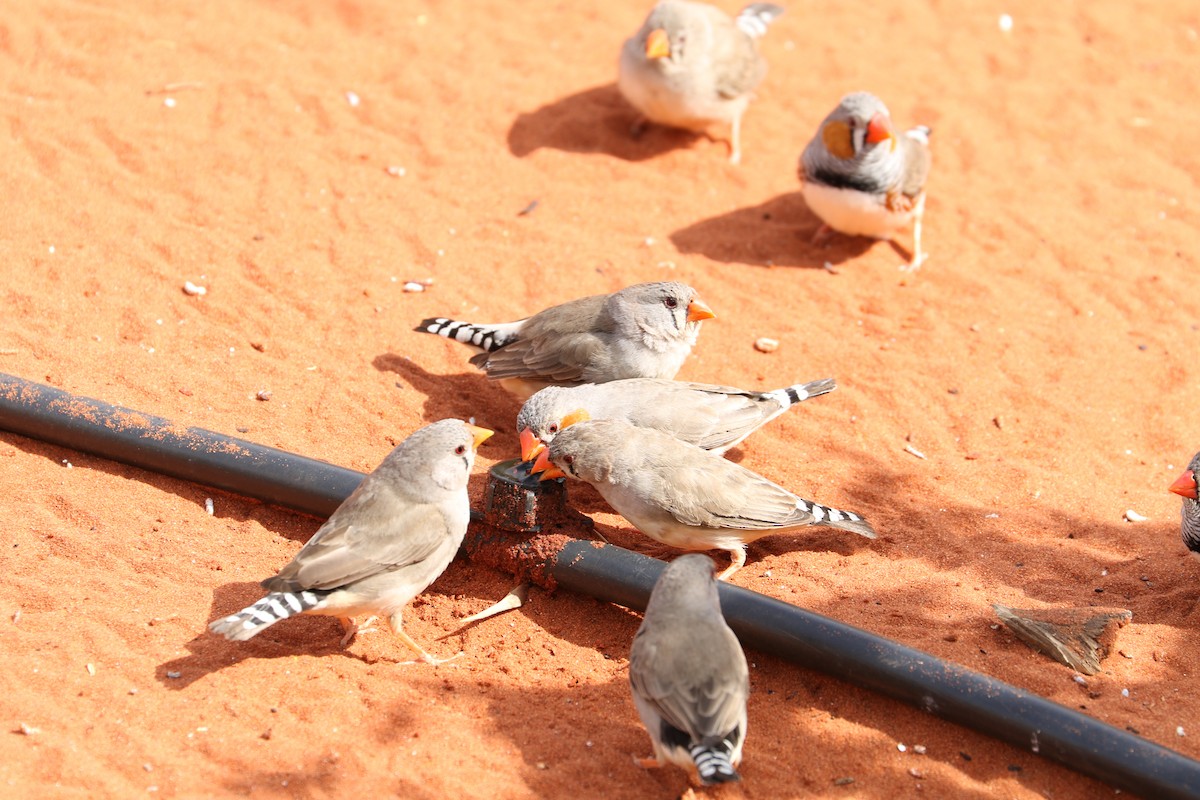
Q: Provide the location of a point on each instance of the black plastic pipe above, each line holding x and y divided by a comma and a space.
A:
615, 575
192, 454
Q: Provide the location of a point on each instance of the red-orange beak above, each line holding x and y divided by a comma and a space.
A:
1184, 485
548, 470
698, 310
531, 445
880, 129
657, 44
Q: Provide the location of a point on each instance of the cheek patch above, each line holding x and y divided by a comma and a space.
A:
836, 138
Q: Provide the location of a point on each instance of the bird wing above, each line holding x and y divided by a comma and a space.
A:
711, 492
736, 62
711, 417
916, 166
555, 345
384, 533
702, 697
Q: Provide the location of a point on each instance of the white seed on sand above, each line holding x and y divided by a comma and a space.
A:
1133, 516
192, 289
766, 344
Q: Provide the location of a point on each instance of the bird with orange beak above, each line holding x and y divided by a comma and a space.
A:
1186, 487
691, 66
862, 178
642, 331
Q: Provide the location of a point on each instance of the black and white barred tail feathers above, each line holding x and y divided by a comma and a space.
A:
276, 606
486, 337
798, 393
836, 518
756, 17
714, 763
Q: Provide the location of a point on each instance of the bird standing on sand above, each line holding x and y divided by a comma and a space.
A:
391, 538
1186, 487
715, 418
643, 331
691, 66
680, 495
862, 178
689, 676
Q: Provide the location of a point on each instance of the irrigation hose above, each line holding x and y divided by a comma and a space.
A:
615, 575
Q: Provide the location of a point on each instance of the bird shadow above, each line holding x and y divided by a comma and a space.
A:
467, 395
777, 233
596, 120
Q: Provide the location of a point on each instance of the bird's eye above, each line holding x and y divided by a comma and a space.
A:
670, 302
569, 459
462, 448
553, 427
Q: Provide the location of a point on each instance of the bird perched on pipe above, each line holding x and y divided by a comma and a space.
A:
715, 418
691, 66
689, 676
1186, 487
391, 538
681, 495
643, 331
863, 178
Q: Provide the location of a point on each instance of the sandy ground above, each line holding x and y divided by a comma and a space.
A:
1043, 361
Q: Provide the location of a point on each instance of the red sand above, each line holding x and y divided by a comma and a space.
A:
1043, 361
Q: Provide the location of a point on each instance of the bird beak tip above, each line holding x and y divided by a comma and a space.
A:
658, 44
479, 435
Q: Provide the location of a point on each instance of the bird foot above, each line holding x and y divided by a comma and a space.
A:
822, 236
434, 661
352, 629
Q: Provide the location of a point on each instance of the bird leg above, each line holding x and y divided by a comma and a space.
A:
398, 629
823, 235
737, 560
918, 257
735, 141
352, 629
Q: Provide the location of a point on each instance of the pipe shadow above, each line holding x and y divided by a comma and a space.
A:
596, 120
777, 233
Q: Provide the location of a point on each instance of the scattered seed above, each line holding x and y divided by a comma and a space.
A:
414, 286
1006, 23
1180, 732
263, 394
169, 102
1082, 681
766, 344
998, 421
29, 730
908, 448
91, 669
901, 747
67, 464
846, 781
396, 172
919, 749
1124, 693
259, 346
194, 290
353, 99
208, 505
16, 617
830, 268
916, 773
1133, 516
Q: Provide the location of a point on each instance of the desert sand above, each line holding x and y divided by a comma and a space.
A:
302, 160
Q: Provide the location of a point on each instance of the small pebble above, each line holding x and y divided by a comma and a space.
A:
353, 99
1006, 23
414, 286
766, 344
1082, 681
29, 730
396, 172
846, 781
1124, 693
263, 394
1179, 731
174, 675
1133, 516
192, 289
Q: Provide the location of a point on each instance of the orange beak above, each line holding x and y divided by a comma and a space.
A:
1184, 485
480, 435
548, 470
697, 311
880, 129
657, 44
531, 445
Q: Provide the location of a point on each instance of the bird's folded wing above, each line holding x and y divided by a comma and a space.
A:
560, 359
916, 166
715, 493
350, 550
739, 68
701, 702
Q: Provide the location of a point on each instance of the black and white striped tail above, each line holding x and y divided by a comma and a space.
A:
836, 518
921, 133
756, 17
713, 762
265, 613
486, 337
790, 395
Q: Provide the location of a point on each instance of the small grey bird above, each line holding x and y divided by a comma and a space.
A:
715, 418
689, 676
863, 179
680, 495
391, 538
1186, 487
643, 331
691, 66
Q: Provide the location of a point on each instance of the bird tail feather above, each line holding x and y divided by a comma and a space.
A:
713, 762
756, 17
790, 395
485, 337
252, 619
843, 520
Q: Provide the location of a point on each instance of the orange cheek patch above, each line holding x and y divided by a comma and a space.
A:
836, 137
